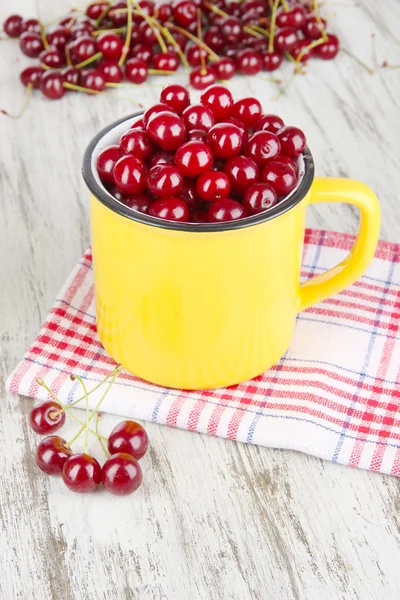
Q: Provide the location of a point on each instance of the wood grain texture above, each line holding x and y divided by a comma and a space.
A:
214, 519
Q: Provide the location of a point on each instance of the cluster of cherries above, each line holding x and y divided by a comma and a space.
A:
132, 39
121, 473
214, 161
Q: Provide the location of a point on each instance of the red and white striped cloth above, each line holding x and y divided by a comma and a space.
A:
335, 394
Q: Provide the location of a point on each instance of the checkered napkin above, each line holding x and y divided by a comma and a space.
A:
335, 394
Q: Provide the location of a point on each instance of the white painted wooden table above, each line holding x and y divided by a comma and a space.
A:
214, 519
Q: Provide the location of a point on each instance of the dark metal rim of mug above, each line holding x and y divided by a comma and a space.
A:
118, 207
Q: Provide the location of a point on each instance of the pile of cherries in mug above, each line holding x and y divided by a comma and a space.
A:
111, 41
208, 162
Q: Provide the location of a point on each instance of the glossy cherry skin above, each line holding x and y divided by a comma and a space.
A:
164, 181
285, 39
231, 29
176, 97
139, 202
147, 35
41, 419
301, 52
52, 85
106, 161
142, 52
214, 39
219, 100
118, 19
195, 54
295, 17
249, 61
136, 71
130, 174
248, 111
129, 437
51, 58
262, 147
196, 135
58, 38
121, 474
329, 49
31, 25
31, 75
193, 158
189, 194
272, 60
312, 28
269, 123
167, 130
136, 142
259, 197
161, 157
225, 140
225, 209
110, 45
110, 71
166, 61
242, 172
200, 78
285, 160
31, 44
198, 116
71, 75
82, 49
280, 176
184, 12
139, 124
13, 26
225, 68
164, 12
154, 110
81, 473
81, 27
95, 10
213, 185
293, 141
170, 209
51, 454
92, 79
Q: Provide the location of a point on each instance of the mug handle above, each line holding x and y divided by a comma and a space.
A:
331, 189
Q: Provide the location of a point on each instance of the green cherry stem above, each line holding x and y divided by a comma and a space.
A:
101, 17
128, 36
318, 18
100, 437
88, 61
24, 105
285, 6
114, 30
175, 44
222, 13
313, 44
87, 410
272, 27
213, 56
360, 62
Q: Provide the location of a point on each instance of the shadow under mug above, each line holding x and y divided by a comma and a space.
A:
195, 306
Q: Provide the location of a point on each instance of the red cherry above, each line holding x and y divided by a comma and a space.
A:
225, 68
58, 38
196, 135
95, 10
139, 202
213, 185
249, 61
146, 34
329, 49
285, 160
225, 210
13, 26
184, 12
193, 158
285, 39
219, 100
225, 140
121, 474
110, 45
81, 473
202, 77
269, 123
164, 12
106, 161
118, 19
293, 141
52, 85
180, 39
262, 147
161, 157
142, 52
136, 71
82, 49
231, 29
154, 110
31, 44
242, 172
128, 437
93, 80
130, 174
295, 17
280, 176
166, 61
312, 28
31, 75
31, 25
198, 116
302, 49
139, 124
110, 71
176, 97
259, 197
170, 209
272, 60
71, 75
81, 27
195, 54
51, 454
51, 58
164, 181
214, 39
42, 419
166, 129
136, 142
189, 194
247, 110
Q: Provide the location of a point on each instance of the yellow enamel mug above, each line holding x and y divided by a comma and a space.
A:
197, 306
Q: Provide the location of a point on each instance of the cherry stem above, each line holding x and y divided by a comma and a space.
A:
101, 438
272, 27
360, 62
78, 88
24, 105
103, 14
128, 35
194, 39
318, 18
203, 69
222, 13
41, 28
261, 30
88, 61
160, 72
174, 43
313, 44
285, 6
386, 65
46, 67
114, 30
87, 410
68, 57
65, 407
